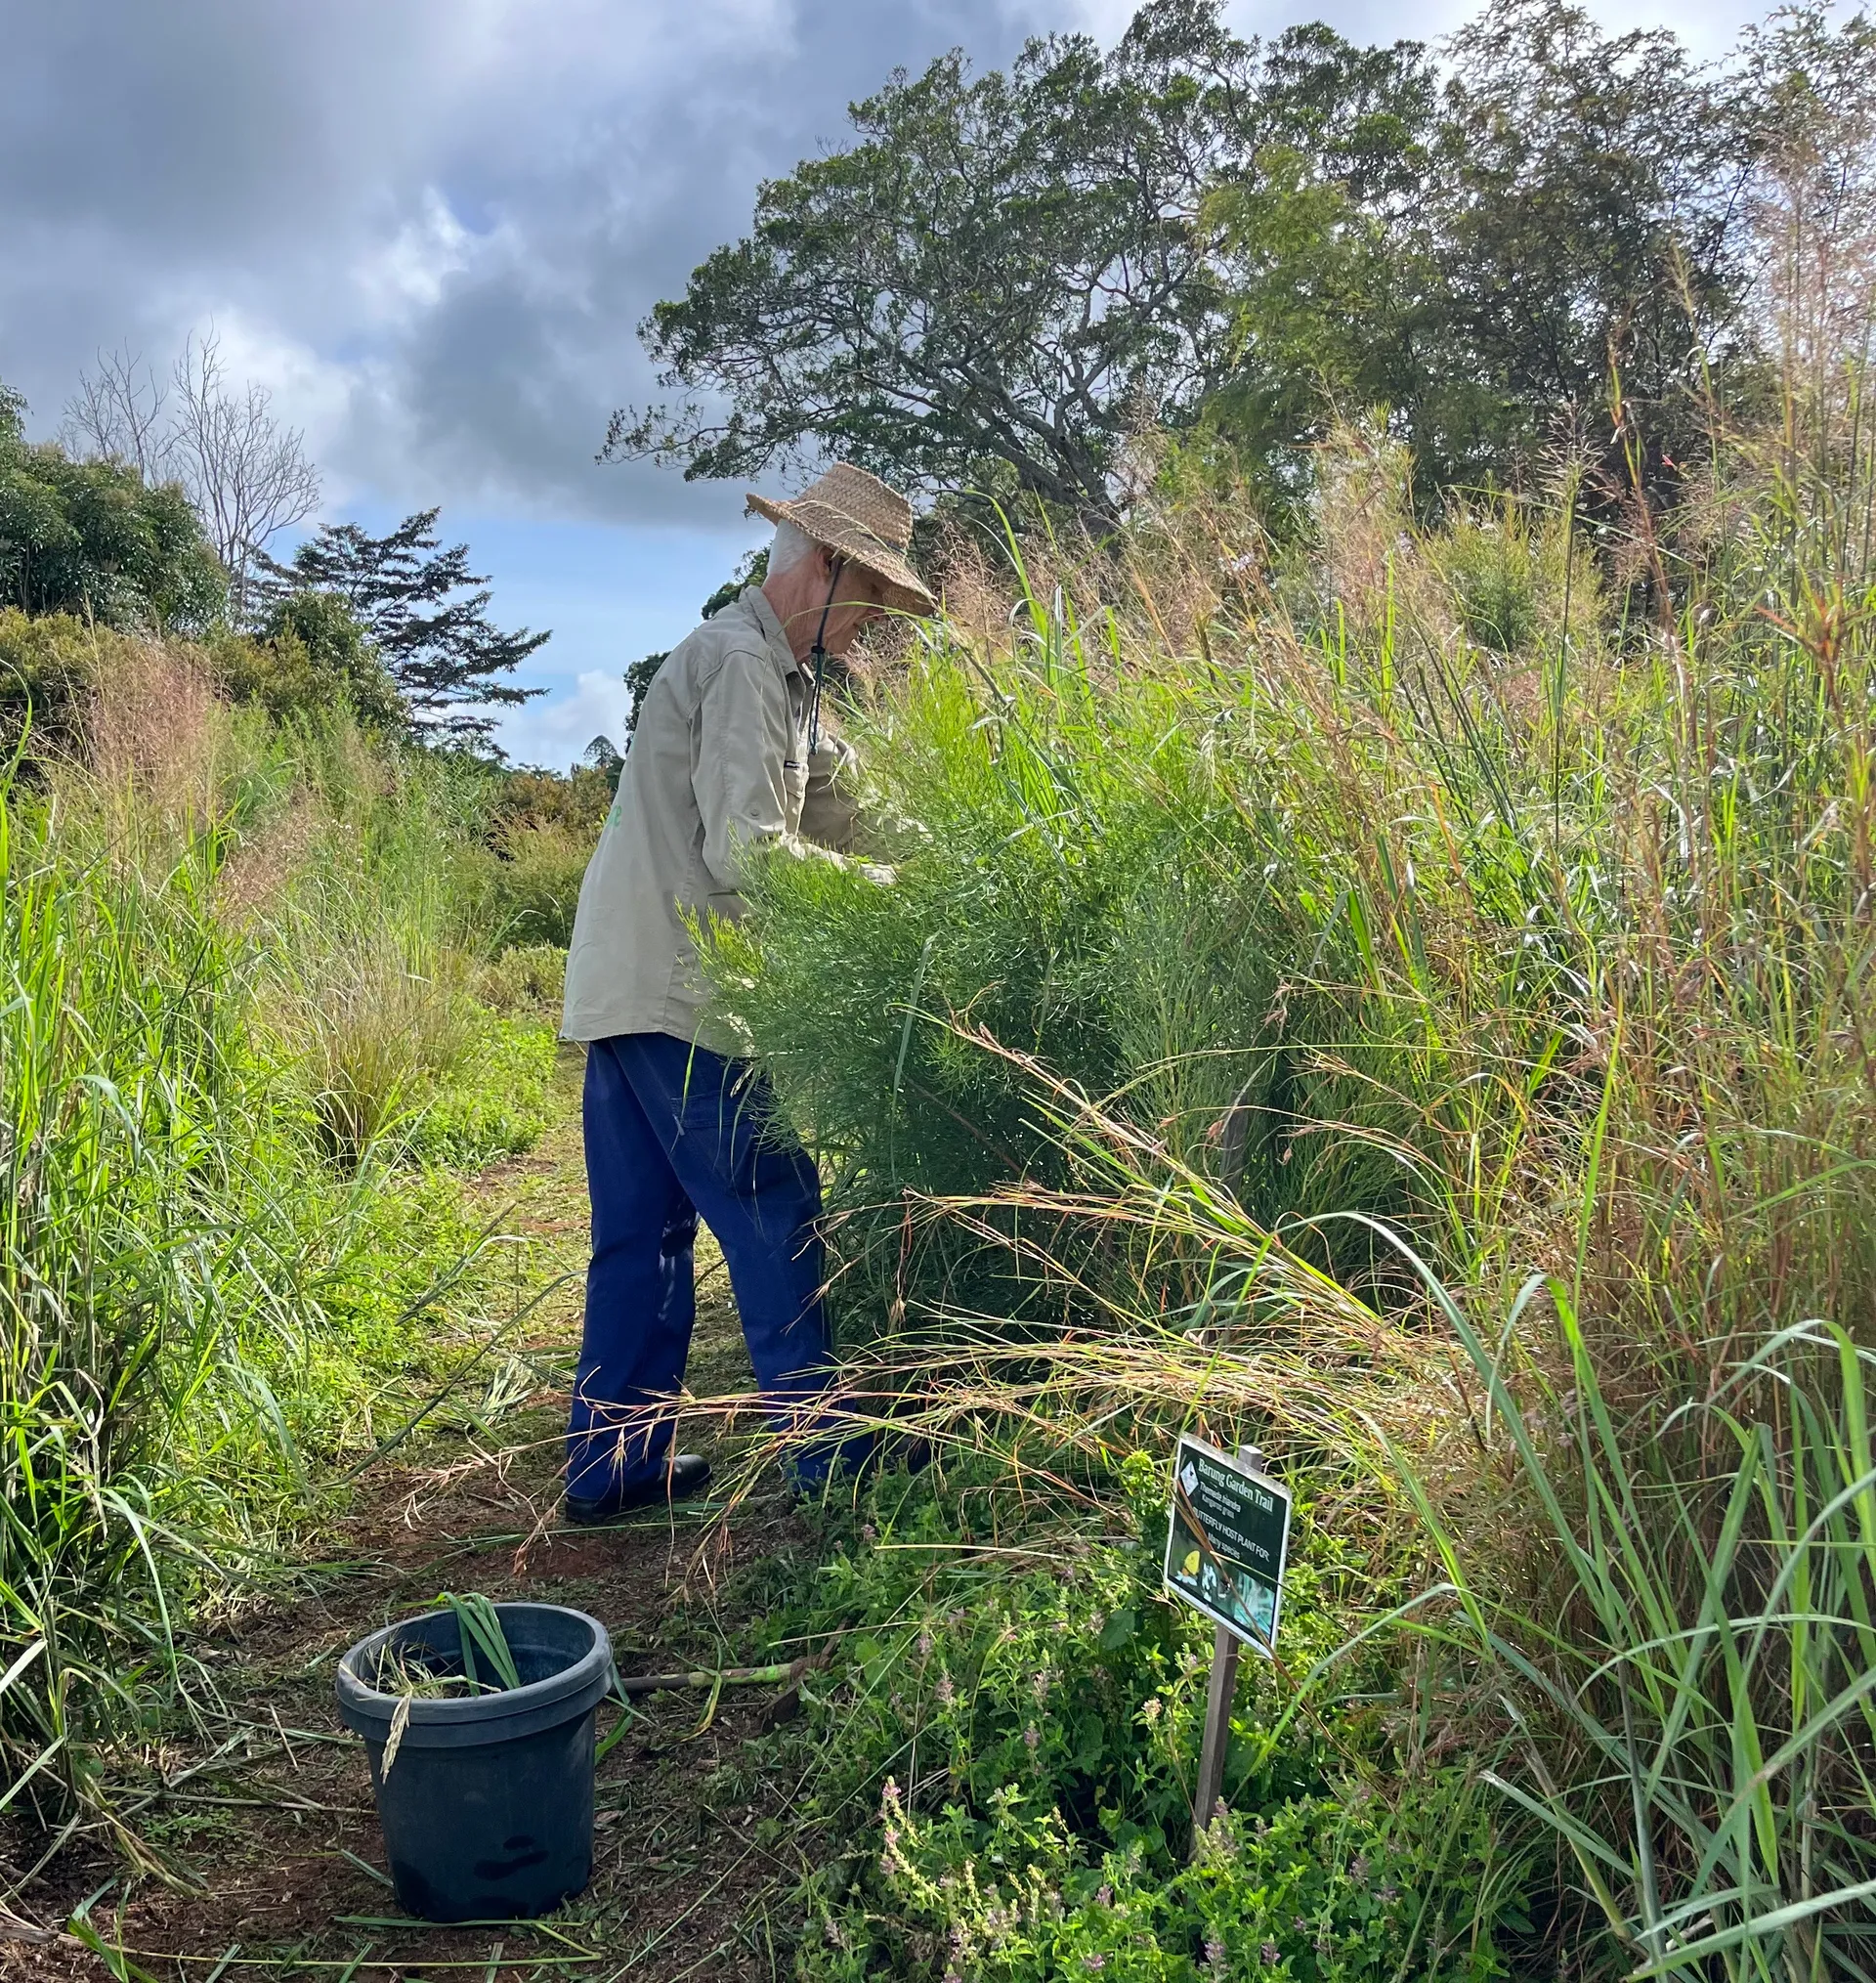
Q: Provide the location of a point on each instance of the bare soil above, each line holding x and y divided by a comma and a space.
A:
275, 1866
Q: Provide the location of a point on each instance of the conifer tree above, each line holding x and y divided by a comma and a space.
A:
426, 612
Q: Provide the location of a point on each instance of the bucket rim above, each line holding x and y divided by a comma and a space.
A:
589, 1674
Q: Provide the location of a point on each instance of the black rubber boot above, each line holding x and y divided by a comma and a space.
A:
688, 1474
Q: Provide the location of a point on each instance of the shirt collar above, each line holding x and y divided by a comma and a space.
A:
755, 602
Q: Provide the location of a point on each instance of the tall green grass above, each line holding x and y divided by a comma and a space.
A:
1290, 955
213, 1250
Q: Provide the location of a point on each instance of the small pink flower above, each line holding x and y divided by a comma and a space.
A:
1032, 1738
1094, 1962
1215, 1955
1268, 1953
1103, 1895
945, 1691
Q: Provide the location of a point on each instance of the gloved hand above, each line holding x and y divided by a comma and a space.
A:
829, 758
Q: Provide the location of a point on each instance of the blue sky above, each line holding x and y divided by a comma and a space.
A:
430, 226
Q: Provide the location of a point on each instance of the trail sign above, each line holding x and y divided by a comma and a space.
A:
1226, 1534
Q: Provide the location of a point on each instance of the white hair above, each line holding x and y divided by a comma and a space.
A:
791, 544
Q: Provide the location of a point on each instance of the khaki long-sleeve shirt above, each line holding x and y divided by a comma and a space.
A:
718, 772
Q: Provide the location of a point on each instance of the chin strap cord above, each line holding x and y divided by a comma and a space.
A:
818, 657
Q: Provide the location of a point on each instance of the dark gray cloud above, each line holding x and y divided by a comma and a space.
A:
432, 226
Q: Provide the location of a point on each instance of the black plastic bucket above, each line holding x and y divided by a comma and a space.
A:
488, 1807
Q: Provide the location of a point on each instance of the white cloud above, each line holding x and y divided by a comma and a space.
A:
398, 279
556, 731
434, 227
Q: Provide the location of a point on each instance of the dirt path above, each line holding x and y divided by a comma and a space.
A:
273, 1815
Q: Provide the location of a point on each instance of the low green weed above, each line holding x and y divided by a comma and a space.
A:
493, 1103
1007, 1736
1323, 1889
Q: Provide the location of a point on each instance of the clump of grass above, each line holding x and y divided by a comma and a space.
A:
196, 1310
380, 1033
414, 1669
533, 885
530, 978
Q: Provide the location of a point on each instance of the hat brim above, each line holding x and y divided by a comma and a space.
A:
904, 591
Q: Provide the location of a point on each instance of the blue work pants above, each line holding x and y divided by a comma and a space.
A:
673, 1130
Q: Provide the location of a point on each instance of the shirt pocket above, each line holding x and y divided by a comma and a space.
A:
794, 792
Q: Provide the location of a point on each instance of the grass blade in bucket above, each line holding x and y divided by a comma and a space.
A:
477, 1719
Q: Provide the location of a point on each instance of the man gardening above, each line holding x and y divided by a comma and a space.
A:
727, 766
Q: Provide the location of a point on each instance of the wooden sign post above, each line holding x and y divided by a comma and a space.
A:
1226, 1535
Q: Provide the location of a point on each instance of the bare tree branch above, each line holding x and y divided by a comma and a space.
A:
116, 415
248, 475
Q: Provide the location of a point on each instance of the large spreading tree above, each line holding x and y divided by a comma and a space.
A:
1006, 275
985, 291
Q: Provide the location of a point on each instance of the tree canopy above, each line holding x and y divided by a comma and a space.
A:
90, 538
1006, 274
984, 289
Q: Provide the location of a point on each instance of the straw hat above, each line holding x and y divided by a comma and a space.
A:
856, 514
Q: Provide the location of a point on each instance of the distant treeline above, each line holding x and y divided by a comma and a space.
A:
143, 521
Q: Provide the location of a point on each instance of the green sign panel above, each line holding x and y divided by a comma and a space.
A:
1225, 1541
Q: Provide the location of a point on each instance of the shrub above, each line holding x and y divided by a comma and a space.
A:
529, 980
90, 539
532, 889
578, 802
310, 659
48, 668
